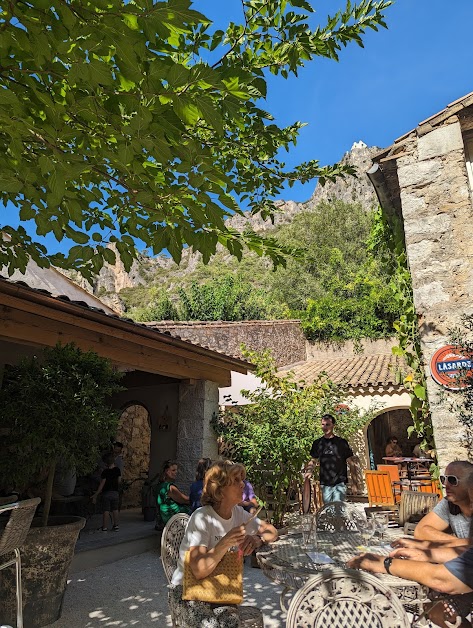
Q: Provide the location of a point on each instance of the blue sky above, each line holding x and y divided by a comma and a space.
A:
403, 75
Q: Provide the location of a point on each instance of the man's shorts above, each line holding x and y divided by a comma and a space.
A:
110, 500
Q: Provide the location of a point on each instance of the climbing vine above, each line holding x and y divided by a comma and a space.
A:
387, 238
462, 338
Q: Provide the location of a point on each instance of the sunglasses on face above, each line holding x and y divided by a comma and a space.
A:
451, 479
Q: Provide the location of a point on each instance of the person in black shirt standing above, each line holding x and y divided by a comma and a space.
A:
109, 488
332, 452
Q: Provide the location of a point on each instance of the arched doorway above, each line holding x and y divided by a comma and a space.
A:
389, 423
134, 431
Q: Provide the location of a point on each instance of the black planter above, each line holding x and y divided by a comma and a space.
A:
45, 560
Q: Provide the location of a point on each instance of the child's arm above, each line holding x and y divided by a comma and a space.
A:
99, 490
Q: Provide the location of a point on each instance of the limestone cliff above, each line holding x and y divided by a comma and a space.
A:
112, 279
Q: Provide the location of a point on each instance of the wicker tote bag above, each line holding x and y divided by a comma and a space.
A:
223, 586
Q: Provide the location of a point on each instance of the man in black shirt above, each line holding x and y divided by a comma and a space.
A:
332, 452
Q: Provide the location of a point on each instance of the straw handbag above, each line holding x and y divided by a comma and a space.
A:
223, 586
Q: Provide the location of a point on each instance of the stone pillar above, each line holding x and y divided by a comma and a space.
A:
438, 224
198, 402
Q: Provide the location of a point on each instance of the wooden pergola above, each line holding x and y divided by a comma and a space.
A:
34, 318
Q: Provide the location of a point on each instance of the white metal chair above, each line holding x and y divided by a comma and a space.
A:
12, 537
173, 533
171, 538
344, 597
339, 517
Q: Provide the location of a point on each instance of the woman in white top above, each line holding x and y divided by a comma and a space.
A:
212, 530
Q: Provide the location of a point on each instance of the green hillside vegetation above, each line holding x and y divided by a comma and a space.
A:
337, 285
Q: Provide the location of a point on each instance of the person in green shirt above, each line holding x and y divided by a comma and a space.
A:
169, 498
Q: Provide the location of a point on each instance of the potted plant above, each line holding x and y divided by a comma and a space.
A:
53, 408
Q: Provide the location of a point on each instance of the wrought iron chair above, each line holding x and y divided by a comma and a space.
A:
173, 533
345, 597
171, 538
339, 517
12, 537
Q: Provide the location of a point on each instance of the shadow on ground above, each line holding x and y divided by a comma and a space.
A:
133, 592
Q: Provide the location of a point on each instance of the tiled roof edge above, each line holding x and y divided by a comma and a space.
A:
64, 298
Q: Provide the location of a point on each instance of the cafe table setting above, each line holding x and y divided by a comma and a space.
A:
305, 551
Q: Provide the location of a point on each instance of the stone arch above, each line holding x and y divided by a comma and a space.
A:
393, 420
134, 431
384, 403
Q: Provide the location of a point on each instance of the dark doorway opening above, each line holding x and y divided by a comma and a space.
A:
390, 423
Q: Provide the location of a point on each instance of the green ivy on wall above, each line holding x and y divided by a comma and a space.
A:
387, 238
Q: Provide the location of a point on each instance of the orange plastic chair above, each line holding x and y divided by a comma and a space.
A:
432, 486
397, 485
379, 487
392, 469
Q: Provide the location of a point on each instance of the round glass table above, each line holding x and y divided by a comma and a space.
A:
290, 564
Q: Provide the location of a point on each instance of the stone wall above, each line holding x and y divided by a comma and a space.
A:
161, 403
134, 431
284, 338
438, 223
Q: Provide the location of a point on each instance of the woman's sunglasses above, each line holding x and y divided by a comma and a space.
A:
451, 479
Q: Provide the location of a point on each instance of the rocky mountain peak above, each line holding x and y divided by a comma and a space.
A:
112, 279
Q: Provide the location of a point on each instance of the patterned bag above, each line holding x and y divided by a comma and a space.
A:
223, 586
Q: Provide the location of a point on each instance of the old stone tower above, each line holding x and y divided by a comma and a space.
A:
426, 177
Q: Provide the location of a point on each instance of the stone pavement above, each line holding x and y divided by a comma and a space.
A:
132, 592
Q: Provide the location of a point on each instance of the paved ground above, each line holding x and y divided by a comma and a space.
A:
132, 592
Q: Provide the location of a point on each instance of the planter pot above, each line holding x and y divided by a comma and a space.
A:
45, 560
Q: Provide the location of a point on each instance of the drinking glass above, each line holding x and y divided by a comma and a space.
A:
382, 522
367, 530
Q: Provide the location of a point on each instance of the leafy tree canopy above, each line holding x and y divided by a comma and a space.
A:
343, 285
139, 121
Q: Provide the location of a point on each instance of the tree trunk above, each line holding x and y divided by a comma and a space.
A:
49, 493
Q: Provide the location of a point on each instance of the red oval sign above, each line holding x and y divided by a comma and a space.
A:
449, 366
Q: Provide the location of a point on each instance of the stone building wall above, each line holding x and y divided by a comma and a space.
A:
438, 222
161, 403
134, 431
285, 339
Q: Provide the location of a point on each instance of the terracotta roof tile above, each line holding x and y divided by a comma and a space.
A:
353, 372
